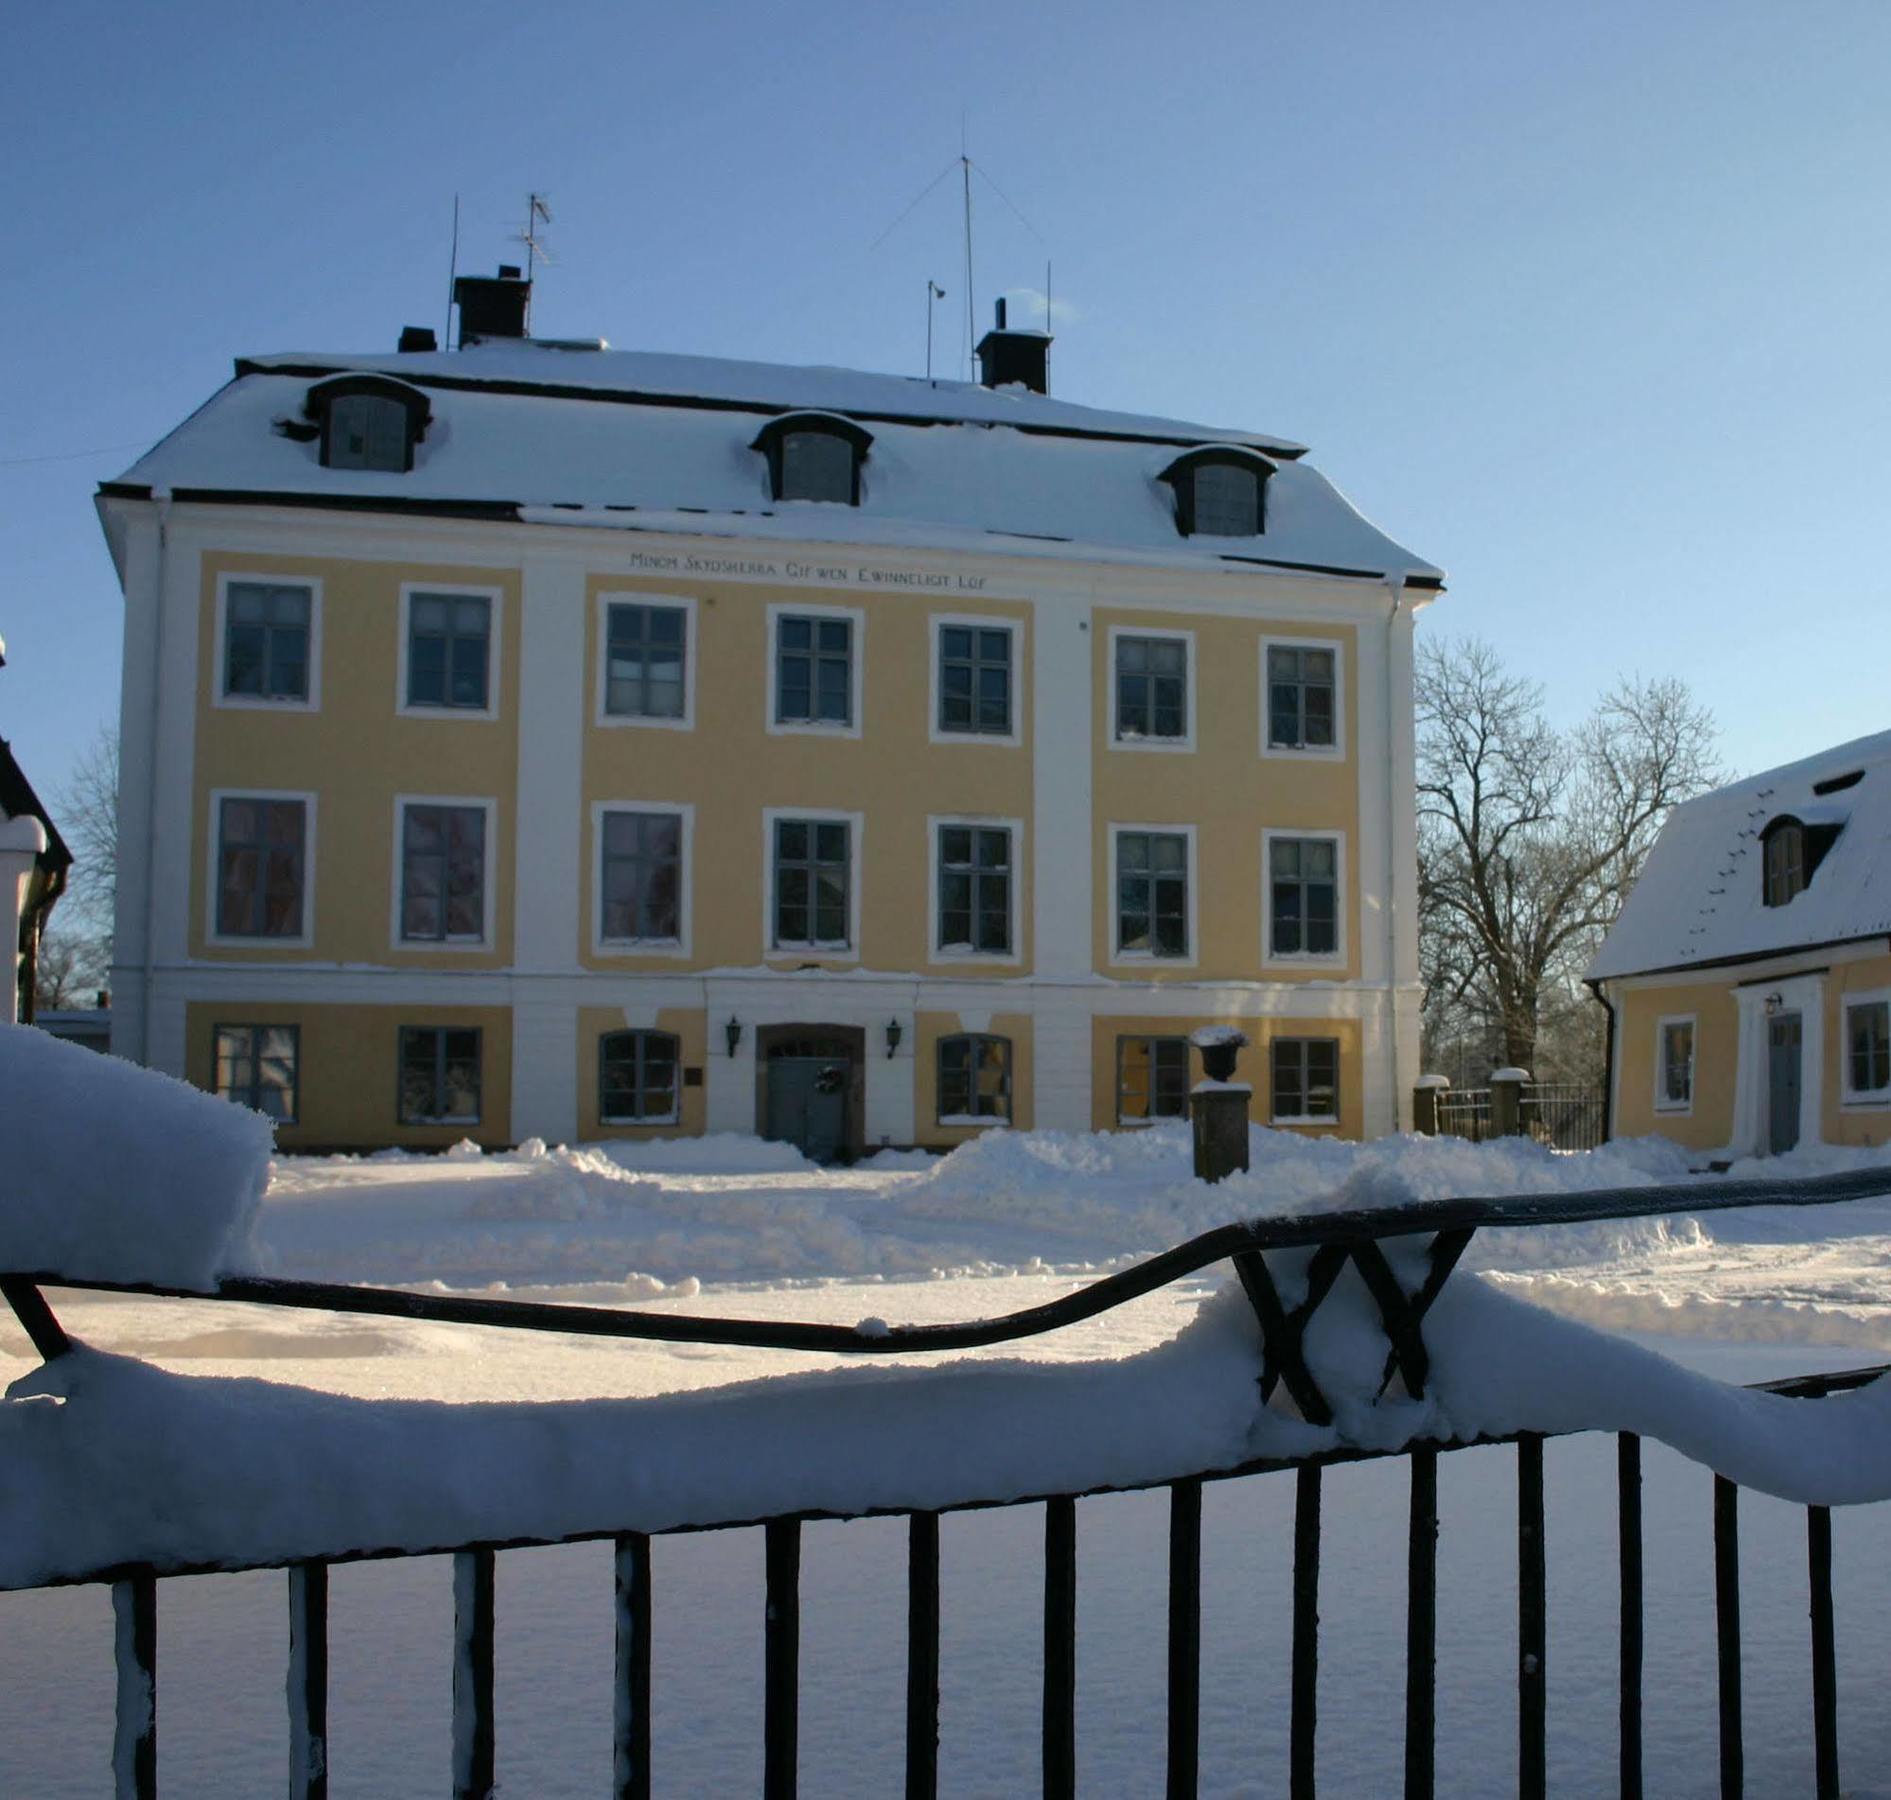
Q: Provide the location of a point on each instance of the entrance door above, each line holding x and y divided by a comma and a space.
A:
808, 1096
1782, 1082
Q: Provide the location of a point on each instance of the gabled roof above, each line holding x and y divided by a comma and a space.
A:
18, 801
1699, 900
654, 442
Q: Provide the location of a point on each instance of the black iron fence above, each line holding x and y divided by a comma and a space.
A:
1337, 1241
1463, 1112
1566, 1115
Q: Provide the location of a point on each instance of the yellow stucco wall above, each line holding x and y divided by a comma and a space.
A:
1227, 790
731, 767
349, 1069
1708, 1123
928, 1029
1858, 1124
687, 1024
1255, 1066
356, 753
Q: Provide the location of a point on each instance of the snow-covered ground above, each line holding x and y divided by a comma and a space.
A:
736, 1227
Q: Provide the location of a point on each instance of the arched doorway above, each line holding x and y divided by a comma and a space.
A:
810, 1092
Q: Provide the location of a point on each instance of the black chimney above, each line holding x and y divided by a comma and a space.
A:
1006, 356
417, 338
492, 306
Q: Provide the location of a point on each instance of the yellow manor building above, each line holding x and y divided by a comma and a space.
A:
1749, 976
536, 740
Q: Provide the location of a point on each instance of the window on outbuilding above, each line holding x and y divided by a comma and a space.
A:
1792, 851
1868, 1050
814, 456
367, 422
1220, 492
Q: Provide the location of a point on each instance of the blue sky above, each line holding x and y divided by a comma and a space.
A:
1590, 305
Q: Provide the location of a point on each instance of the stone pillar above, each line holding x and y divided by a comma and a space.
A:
1427, 1091
1218, 1108
1506, 1102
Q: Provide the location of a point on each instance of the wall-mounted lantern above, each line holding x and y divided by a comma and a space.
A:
893, 1035
733, 1033
1773, 1003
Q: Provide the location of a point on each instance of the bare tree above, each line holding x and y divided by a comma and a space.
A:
1530, 838
75, 954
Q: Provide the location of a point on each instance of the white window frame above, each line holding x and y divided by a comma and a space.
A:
1663, 1105
686, 884
1334, 752
631, 597
675, 1115
1853, 1099
935, 822
856, 863
1301, 1035
460, 590
1191, 693
937, 623
214, 832
489, 901
1144, 959
1341, 899
856, 674
258, 702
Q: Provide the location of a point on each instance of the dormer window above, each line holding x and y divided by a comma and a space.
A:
1793, 849
814, 456
1220, 492
368, 422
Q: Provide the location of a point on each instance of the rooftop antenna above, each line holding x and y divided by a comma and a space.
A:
933, 292
452, 271
965, 173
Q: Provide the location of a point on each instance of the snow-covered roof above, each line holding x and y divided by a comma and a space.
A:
1699, 899
658, 442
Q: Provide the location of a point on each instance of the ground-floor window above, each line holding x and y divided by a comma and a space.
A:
1306, 1079
439, 1075
1868, 1049
637, 1076
258, 1066
974, 1079
1151, 1079
1674, 1073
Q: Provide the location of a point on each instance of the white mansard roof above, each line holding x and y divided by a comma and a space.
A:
1699, 900
654, 442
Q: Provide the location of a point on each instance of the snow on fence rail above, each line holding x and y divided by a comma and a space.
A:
1345, 1338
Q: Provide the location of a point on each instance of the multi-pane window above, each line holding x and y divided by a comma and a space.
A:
1301, 687
975, 889
1151, 1078
1303, 896
257, 1067
814, 670
644, 651
262, 867
266, 640
975, 679
1227, 500
642, 877
974, 1079
1785, 863
637, 1078
1306, 1078
1151, 893
817, 465
367, 431
1151, 687
439, 1075
813, 883
1868, 1049
449, 650
443, 873
1676, 1076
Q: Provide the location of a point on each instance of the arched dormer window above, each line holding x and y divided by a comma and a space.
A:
1220, 491
1793, 849
814, 456
368, 422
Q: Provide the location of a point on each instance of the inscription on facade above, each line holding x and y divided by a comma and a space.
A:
757, 568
